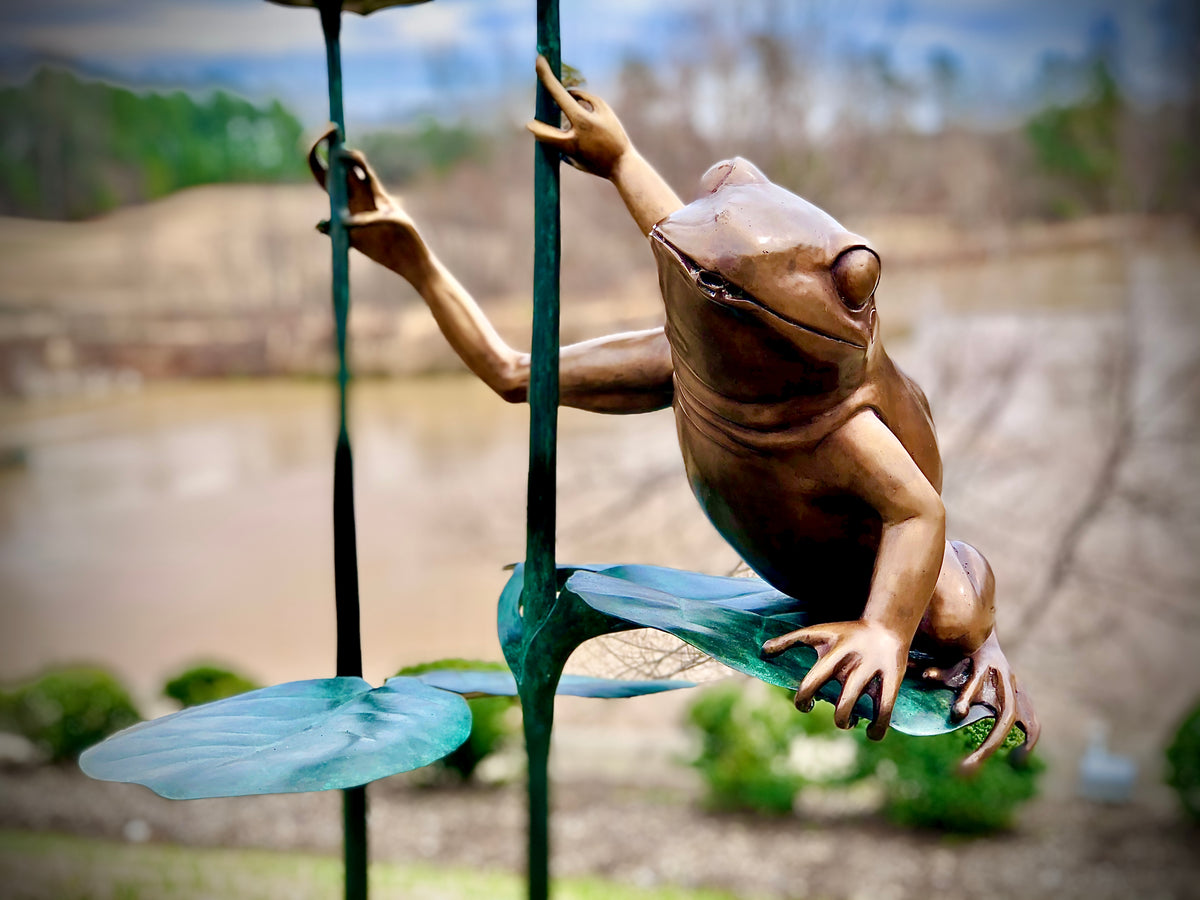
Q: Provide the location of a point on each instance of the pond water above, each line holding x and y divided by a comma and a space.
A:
193, 521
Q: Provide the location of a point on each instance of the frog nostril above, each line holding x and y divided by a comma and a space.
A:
856, 275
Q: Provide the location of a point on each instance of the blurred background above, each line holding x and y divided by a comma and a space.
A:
1028, 171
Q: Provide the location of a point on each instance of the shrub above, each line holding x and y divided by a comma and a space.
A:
203, 684
8, 711
923, 788
68, 710
489, 719
1183, 763
756, 753
749, 737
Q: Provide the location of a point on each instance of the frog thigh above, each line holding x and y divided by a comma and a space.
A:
962, 612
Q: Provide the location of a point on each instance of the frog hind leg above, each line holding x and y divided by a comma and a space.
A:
960, 623
962, 611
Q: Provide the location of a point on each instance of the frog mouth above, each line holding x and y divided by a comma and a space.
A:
722, 292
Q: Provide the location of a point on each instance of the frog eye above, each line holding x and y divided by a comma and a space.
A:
855, 275
714, 285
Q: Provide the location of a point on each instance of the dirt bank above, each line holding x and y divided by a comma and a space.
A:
233, 280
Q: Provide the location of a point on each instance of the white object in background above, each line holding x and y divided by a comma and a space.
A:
1105, 777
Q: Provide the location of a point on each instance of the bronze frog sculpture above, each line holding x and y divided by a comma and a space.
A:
810, 451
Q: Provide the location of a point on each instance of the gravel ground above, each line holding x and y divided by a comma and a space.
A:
647, 836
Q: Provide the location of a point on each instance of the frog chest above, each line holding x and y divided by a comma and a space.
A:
781, 518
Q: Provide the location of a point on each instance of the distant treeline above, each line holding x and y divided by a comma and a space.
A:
71, 148
1080, 147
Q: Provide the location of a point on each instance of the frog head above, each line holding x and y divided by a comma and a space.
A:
766, 294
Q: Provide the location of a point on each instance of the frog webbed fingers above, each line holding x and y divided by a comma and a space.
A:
316, 165
390, 238
364, 189
378, 225
865, 657
986, 678
565, 139
562, 138
594, 140
1006, 717
563, 96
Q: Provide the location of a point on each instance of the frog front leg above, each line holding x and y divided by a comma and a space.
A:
595, 142
621, 373
869, 655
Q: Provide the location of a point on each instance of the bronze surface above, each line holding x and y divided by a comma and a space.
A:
809, 450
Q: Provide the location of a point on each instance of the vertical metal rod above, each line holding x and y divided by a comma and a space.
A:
537, 698
345, 554
537, 707
540, 577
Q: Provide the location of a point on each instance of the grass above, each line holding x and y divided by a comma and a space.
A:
36, 866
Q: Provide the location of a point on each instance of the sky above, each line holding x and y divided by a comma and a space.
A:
454, 54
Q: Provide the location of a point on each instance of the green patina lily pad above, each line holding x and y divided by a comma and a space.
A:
503, 684
727, 618
320, 735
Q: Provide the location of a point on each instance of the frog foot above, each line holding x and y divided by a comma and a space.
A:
986, 678
866, 657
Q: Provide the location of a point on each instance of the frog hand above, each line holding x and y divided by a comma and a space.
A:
594, 140
866, 657
378, 225
364, 191
986, 678
390, 238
